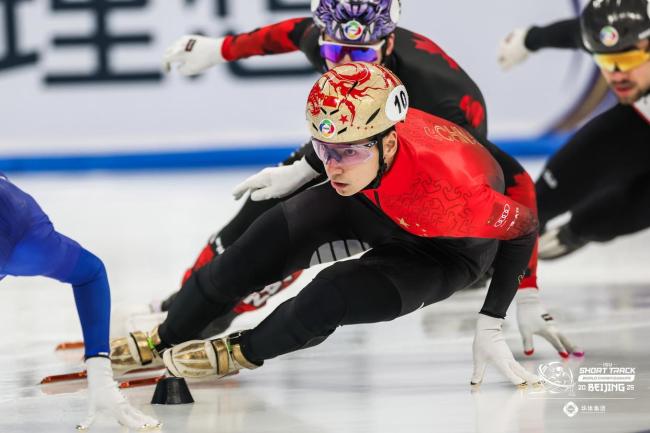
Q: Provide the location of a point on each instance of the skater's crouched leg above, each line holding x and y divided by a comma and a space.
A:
216, 288
345, 293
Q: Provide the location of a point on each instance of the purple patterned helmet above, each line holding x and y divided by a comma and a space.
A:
356, 21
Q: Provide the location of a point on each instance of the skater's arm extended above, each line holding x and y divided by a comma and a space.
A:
279, 38
281, 181
509, 268
516, 226
563, 34
517, 244
193, 54
517, 46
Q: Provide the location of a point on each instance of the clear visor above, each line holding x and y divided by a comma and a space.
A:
342, 153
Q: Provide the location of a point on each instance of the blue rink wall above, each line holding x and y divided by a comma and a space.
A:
217, 158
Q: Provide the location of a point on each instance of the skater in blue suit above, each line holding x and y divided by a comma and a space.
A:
30, 246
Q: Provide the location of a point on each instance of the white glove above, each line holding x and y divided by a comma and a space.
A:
276, 182
490, 346
193, 54
512, 49
103, 394
534, 320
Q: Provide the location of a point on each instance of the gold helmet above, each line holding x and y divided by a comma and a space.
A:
355, 101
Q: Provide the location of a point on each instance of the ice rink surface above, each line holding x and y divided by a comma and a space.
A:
410, 375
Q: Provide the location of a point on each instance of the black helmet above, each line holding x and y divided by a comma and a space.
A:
612, 26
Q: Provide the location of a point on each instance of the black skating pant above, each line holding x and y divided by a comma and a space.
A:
602, 175
400, 274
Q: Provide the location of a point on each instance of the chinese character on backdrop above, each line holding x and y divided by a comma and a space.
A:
12, 56
102, 41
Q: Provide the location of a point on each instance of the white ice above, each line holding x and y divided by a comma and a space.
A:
410, 375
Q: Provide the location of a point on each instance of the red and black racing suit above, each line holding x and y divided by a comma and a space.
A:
436, 222
436, 84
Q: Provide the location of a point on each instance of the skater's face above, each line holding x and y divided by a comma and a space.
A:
348, 180
336, 53
630, 85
